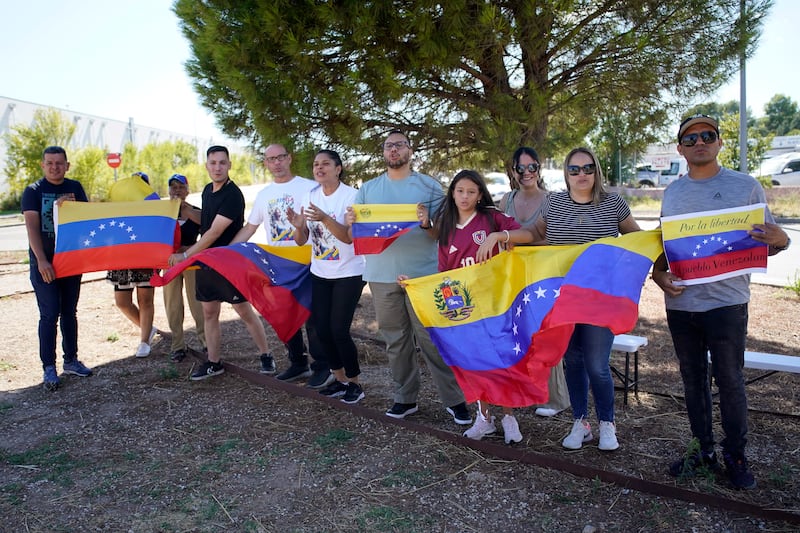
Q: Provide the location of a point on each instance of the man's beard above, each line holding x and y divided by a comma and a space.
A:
400, 163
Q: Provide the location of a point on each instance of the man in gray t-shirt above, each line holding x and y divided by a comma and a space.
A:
712, 317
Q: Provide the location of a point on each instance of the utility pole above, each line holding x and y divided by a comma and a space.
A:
742, 97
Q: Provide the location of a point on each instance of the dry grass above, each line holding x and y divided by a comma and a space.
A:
138, 447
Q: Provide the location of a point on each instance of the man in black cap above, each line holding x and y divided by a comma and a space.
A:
189, 220
712, 317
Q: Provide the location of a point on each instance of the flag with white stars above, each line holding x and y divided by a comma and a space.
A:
379, 225
95, 236
276, 280
503, 324
709, 246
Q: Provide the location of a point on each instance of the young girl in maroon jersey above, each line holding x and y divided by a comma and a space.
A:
466, 218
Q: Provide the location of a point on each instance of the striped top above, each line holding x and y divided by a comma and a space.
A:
569, 222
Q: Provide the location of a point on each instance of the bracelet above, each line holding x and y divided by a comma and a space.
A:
784, 247
508, 235
185, 256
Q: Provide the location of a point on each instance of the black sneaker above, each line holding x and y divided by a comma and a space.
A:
334, 390
402, 410
695, 464
738, 472
320, 379
267, 364
353, 394
207, 370
177, 356
293, 373
460, 414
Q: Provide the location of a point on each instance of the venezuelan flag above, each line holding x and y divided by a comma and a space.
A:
492, 322
712, 245
276, 280
113, 236
131, 189
379, 225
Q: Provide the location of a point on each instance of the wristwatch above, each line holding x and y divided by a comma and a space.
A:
784, 247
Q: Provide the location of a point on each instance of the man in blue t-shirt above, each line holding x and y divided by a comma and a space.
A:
57, 297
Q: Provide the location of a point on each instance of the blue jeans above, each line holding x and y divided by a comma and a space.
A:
721, 331
585, 363
57, 299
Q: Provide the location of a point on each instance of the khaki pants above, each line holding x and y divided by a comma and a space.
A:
173, 303
399, 326
557, 386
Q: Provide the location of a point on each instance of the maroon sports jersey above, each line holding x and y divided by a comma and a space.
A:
461, 250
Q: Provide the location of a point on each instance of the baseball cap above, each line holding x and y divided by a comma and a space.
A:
688, 122
179, 178
142, 175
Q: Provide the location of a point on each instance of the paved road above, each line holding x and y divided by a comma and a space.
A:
781, 269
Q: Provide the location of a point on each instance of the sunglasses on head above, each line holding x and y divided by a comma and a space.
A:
690, 139
530, 167
574, 170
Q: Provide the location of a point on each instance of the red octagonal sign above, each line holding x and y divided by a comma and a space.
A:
114, 160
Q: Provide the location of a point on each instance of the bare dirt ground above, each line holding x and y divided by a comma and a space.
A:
138, 447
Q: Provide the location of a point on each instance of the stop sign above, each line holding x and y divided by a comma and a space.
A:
114, 160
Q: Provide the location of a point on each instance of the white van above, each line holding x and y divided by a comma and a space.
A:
645, 177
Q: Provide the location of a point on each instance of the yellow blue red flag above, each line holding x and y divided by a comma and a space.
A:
708, 246
276, 280
379, 225
113, 236
503, 324
131, 189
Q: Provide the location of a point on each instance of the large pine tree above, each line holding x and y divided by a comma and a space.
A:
468, 79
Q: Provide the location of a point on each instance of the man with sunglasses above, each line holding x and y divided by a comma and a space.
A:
271, 208
413, 254
712, 317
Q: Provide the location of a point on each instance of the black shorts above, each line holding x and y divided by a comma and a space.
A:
126, 280
212, 287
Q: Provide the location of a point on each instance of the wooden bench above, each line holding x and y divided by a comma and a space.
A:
629, 345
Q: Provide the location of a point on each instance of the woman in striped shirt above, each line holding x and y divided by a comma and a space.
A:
583, 213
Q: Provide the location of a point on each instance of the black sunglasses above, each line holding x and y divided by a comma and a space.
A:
530, 167
574, 170
691, 138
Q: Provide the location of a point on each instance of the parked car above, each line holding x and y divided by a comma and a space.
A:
553, 179
647, 177
498, 184
783, 169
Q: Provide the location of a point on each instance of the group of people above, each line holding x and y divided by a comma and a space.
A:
457, 228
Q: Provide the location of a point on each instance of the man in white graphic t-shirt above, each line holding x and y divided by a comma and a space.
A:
270, 209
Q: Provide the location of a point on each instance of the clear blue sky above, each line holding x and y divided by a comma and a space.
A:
124, 58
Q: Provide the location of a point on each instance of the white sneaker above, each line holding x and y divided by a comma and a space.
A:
481, 427
608, 437
581, 432
546, 411
143, 350
511, 429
